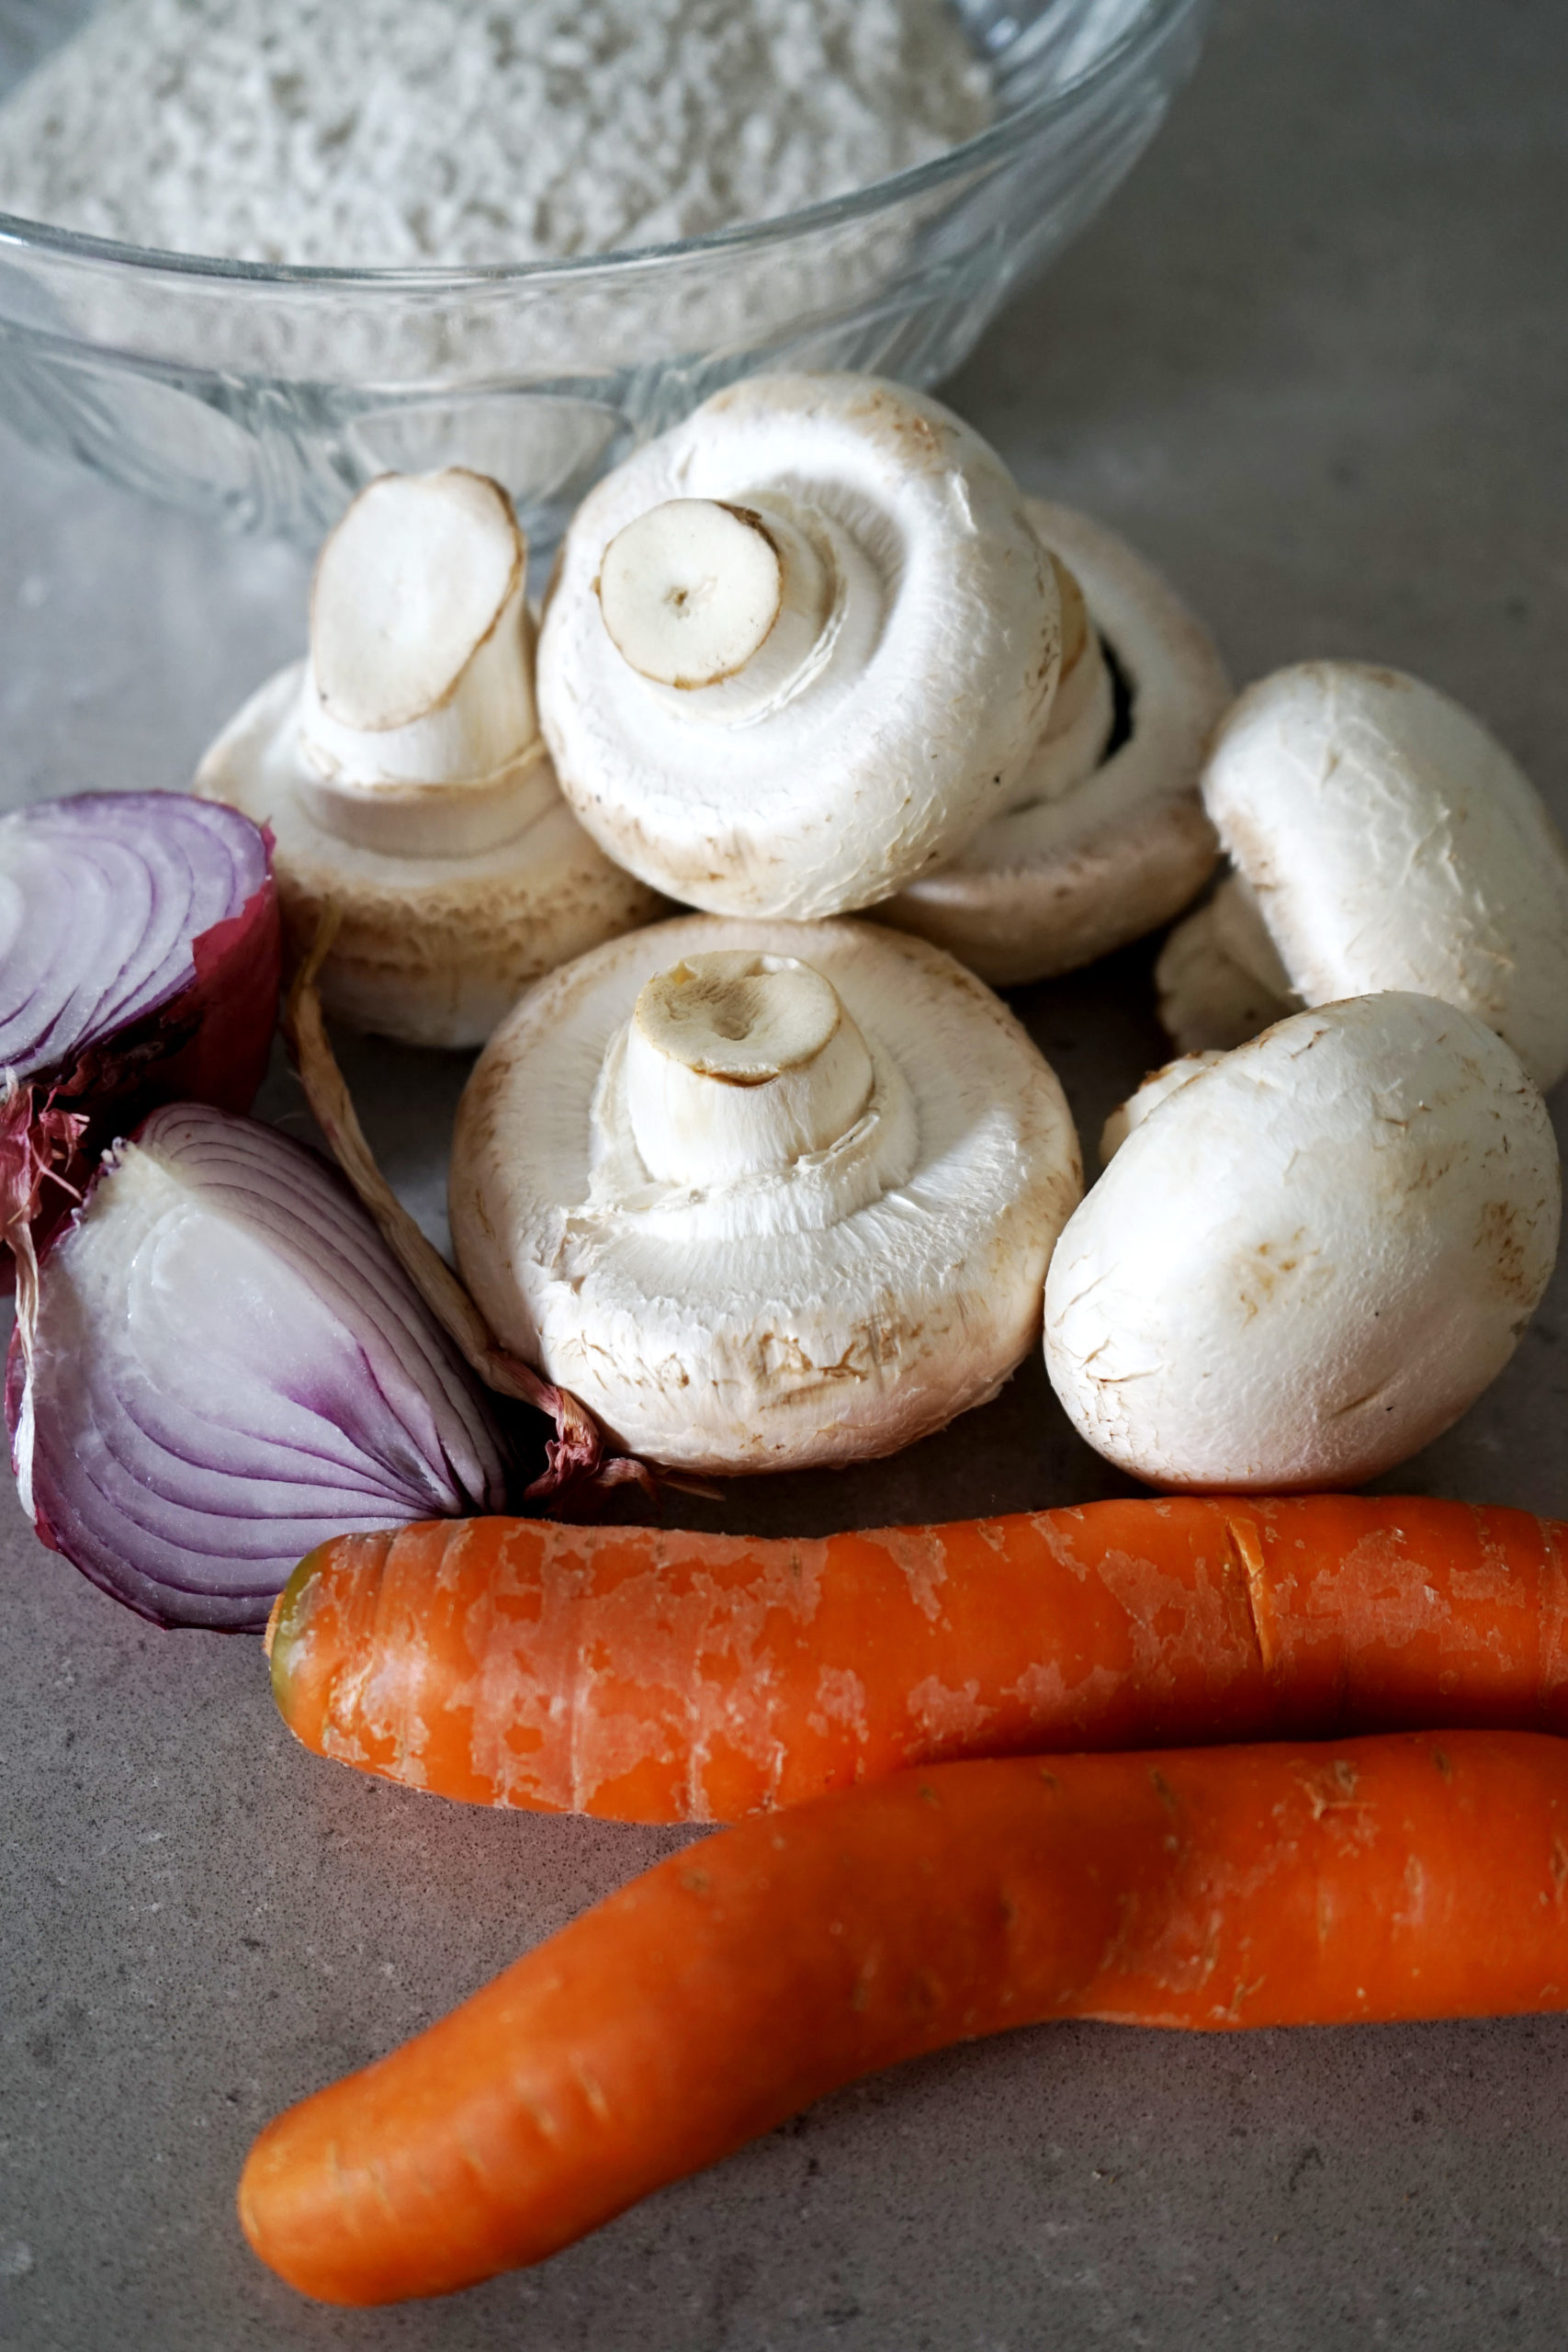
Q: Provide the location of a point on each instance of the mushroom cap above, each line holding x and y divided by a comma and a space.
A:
1393, 843
1159, 1083
1311, 1257
431, 950
1064, 877
753, 1327
910, 730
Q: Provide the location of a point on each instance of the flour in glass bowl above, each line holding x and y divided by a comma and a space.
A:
391, 133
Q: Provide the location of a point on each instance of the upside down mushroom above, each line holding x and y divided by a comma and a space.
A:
1382, 838
798, 649
1309, 1256
402, 773
1104, 835
763, 1195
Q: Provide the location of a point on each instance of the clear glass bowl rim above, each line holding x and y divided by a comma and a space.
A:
989, 146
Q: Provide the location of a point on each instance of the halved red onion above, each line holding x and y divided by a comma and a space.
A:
140, 961
227, 1366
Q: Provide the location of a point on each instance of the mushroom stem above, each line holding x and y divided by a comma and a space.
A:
732, 608
417, 718
1083, 708
737, 1063
1083, 682
1078, 637
1220, 976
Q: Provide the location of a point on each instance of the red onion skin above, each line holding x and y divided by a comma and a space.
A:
56, 1198
209, 1043
223, 1023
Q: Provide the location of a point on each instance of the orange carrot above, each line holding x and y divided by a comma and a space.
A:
1417, 1876
668, 1677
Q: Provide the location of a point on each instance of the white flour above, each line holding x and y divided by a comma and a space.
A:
391, 132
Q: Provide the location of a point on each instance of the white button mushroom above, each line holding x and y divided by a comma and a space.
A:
403, 776
1219, 978
1156, 1088
1106, 837
1311, 1255
763, 1195
797, 649
1387, 842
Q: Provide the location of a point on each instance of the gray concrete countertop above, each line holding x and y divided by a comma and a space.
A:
1314, 360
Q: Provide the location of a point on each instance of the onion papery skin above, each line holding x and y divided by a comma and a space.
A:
140, 958
229, 1367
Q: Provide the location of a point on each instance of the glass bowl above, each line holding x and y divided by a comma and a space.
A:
268, 396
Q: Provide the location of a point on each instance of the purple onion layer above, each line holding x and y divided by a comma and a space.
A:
103, 900
228, 1368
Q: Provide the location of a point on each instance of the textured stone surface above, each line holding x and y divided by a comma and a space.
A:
1313, 360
